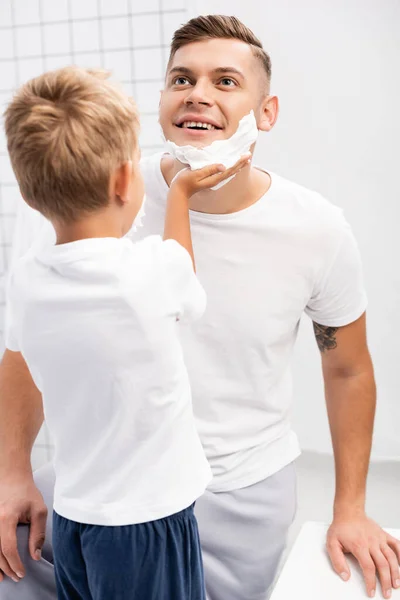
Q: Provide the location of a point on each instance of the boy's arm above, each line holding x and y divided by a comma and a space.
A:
20, 502
177, 222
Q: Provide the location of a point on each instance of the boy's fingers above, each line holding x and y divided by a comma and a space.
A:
218, 172
221, 171
242, 162
211, 170
179, 173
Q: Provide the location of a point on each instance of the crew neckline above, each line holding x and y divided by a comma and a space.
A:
253, 208
74, 250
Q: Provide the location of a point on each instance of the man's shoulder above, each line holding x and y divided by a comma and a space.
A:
150, 164
305, 205
155, 185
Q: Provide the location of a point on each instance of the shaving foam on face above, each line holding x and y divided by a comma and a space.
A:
225, 152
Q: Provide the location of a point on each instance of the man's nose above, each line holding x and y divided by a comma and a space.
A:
199, 94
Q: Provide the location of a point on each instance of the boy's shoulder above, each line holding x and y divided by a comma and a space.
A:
154, 249
148, 246
153, 259
139, 260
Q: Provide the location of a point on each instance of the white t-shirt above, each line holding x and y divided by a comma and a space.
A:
96, 321
261, 268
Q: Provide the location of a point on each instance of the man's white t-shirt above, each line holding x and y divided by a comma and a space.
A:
96, 321
262, 268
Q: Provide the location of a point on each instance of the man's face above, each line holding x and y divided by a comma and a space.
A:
214, 83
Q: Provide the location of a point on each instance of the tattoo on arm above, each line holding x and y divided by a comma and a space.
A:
325, 336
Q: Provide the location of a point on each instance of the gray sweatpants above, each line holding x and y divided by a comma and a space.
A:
243, 534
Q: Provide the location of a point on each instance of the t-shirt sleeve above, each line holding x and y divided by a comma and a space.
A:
184, 287
339, 297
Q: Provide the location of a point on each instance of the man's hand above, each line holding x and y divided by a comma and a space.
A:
21, 502
376, 551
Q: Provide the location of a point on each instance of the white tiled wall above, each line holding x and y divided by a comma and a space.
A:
128, 37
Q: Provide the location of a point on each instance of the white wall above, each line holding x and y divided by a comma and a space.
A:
336, 71
335, 68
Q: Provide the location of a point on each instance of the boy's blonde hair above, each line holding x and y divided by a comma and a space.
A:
67, 130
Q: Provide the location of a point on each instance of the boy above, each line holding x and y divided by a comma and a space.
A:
95, 318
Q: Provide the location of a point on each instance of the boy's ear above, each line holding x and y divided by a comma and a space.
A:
120, 182
269, 113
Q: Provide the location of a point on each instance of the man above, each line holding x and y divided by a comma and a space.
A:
266, 250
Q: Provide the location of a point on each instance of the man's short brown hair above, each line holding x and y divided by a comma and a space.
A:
223, 27
67, 130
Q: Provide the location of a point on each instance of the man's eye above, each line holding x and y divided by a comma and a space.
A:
180, 81
228, 82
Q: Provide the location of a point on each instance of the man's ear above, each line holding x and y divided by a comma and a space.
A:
120, 181
269, 113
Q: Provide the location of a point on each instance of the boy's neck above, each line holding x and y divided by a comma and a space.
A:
99, 224
242, 191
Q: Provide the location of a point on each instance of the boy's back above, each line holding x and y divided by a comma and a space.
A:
94, 317
96, 322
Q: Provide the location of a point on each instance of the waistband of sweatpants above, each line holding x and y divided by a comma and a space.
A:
186, 513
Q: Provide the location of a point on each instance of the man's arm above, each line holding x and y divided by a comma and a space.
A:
351, 398
20, 502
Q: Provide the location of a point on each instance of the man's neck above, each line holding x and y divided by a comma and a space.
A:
245, 189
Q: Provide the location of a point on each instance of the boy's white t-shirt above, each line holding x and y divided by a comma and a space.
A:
262, 268
96, 321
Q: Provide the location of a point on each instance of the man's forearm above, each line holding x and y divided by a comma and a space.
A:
21, 413
351, 401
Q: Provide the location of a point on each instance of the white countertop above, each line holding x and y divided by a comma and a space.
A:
308, 575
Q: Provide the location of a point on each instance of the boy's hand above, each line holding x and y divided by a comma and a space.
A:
190, 182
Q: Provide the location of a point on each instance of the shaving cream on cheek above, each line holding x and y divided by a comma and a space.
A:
225, 152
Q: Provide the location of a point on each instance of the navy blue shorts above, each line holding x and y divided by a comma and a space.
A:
159, 560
